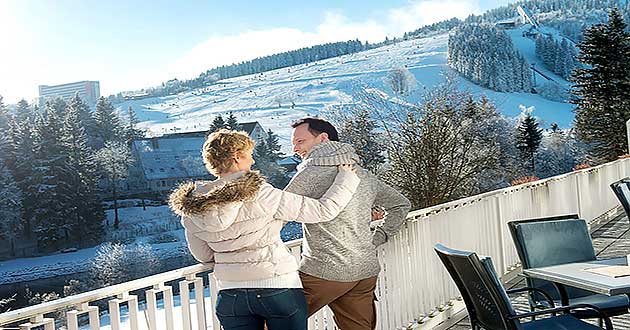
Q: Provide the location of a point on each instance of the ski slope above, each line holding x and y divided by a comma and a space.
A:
267, 97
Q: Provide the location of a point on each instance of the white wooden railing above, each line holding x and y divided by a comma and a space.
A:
192, 313
413, 286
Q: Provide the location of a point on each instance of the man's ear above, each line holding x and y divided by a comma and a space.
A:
323, 137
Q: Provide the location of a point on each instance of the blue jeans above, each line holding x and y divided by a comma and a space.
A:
249, 309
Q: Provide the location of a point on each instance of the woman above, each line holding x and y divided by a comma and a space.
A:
235, 222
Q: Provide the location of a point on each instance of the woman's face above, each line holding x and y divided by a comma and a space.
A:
244, 160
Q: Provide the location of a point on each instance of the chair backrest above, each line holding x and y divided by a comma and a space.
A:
486, 300
621, 189
552, 241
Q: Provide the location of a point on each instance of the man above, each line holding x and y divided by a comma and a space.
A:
339, 264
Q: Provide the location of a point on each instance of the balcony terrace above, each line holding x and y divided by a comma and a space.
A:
414, 290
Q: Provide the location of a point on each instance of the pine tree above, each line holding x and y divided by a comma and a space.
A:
51, 172
7, 150
107, 124
232, 123
85, 206
4, 116
528, 139
217, 124
273, 146
359, 130
58, 106
23, 145
266, 155
132, 131
10, 207
602, 88
86, 120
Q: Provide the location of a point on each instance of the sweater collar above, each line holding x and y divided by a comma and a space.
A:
330, 153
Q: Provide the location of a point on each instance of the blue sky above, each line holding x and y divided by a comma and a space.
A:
134, 44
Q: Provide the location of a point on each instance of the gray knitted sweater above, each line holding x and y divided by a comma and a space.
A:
344, 249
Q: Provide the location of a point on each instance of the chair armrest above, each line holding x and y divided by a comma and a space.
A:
564, 298
601, 313
529, 289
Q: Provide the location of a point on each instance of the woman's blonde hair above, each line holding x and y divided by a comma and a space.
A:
219, 149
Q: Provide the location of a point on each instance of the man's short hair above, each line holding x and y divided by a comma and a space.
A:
318, 126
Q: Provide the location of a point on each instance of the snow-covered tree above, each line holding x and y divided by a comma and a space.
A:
23, 135
84, 205
487, 56
114, 160
10, 208
232, 123
132, 132
117, 263
359, 130
557, 56
435, 153
217, 124
559, 153
51, 174
108, 127
86, 120
401, 81
266, 155
602, 88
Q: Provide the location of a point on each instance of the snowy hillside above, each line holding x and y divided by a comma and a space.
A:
268, 97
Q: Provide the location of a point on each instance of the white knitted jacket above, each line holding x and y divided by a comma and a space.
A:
344, 249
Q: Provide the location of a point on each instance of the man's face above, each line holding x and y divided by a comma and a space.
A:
303, 140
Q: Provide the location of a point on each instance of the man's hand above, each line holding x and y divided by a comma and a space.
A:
377, 213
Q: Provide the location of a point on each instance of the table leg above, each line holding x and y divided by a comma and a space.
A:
564, 296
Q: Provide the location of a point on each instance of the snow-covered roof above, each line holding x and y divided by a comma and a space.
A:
177, 155
165, 158
171, 164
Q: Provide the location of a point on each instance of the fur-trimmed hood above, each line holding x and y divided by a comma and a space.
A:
218, 199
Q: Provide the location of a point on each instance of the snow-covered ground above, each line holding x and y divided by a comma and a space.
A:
267, 97
156, 226
312, 87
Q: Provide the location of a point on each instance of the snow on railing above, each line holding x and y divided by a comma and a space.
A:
413, 285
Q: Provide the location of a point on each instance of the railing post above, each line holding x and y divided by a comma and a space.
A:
73, 321
38, 321
184, 295
213, 301
501, 257
132, 306
167, 296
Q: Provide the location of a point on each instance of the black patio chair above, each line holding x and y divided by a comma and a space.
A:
559, 240
621, 189
488, 304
